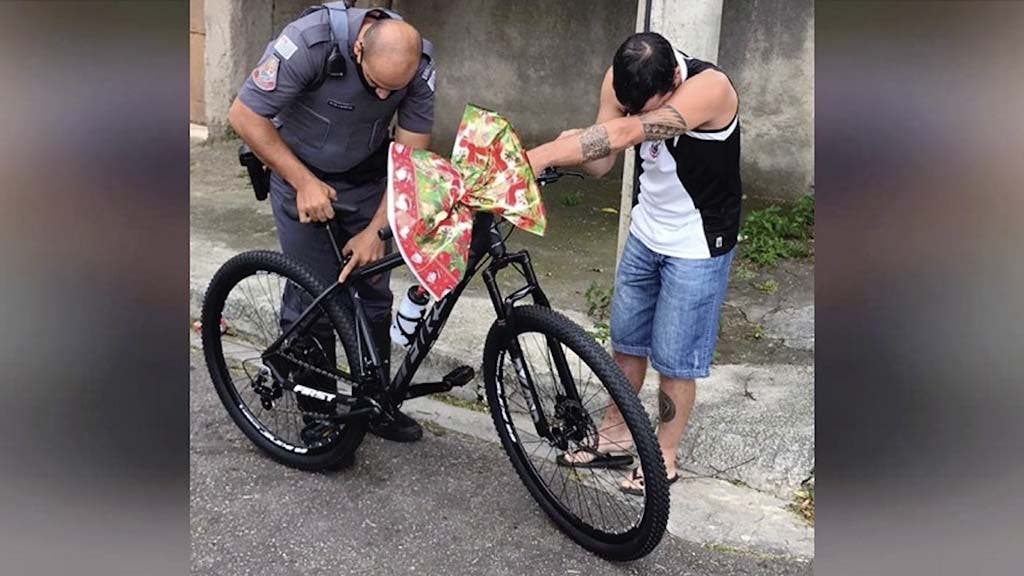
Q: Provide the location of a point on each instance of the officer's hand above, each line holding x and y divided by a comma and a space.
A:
363, 248
314, 201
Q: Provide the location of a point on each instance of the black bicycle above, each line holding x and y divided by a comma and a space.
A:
305, 389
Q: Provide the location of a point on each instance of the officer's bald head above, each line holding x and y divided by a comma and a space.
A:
392, 48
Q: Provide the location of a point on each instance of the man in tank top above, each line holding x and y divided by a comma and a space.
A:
683, 113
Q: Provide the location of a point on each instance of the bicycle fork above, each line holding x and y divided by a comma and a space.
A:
503, 307
531, 396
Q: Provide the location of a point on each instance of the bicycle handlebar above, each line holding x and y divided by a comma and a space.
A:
550, 175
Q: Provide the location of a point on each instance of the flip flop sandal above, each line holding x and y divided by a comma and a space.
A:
636, 478
598, 460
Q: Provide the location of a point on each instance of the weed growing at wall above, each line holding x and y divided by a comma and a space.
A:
778, 232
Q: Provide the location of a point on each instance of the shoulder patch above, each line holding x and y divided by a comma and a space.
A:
265, 75
285, 47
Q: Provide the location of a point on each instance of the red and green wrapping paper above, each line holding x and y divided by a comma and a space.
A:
431, 200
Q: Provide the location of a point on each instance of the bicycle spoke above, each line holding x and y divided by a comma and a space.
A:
606, 495
253, 313
528, 363
271, 301
591, 495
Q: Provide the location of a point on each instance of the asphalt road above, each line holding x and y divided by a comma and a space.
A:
448, 504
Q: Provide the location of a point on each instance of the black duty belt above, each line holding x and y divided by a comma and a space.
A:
373, 167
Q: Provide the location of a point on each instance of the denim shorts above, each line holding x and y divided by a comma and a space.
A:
668, 309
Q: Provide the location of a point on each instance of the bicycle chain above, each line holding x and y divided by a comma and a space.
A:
313, 368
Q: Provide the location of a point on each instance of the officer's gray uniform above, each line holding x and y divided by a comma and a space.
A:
332, 128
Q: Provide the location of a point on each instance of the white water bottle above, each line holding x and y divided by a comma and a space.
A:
409, 314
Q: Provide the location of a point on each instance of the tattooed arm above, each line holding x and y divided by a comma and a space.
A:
607, 111
701, 100
602, 140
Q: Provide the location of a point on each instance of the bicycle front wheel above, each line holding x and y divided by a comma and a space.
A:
558, 400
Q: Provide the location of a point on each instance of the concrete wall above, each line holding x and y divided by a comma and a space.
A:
196, 62
693, 26
236, 35
237, 32
539, 63
512, 57
767, 48
287, 10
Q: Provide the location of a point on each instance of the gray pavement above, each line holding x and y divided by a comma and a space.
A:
450, 504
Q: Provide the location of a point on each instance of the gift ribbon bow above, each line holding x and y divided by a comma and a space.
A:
431, 200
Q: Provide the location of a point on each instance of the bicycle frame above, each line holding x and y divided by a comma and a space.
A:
372, 383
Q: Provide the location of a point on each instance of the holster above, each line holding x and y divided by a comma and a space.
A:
259, 175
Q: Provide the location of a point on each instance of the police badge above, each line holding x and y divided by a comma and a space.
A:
265, 75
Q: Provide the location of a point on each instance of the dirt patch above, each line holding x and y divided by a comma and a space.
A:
755, 295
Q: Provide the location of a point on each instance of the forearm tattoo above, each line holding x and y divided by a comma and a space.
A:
666, 407
664, 123
594, 143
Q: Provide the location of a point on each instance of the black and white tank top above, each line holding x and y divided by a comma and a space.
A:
690, 189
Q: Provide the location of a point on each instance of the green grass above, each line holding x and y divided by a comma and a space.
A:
229, 133
572, 199
803, 503
769, 286
778, 232
453, 400
726, 549
599, 302
743, 271
758, 332
602, 332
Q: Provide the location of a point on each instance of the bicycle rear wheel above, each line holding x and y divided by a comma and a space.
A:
573, 398
241, 318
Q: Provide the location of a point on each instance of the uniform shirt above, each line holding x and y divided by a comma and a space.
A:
295, 60
690, 189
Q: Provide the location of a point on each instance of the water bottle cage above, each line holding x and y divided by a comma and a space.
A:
415, 324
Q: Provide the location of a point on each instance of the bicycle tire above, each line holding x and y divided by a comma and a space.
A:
645, 536
335, 452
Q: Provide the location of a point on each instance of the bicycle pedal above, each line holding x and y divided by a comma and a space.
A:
459, 377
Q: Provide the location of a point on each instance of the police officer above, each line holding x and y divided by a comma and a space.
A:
317, 111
